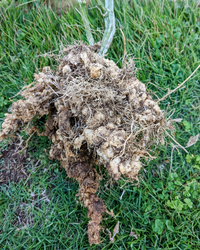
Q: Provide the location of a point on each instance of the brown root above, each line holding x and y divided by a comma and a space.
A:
97, 114
88, 180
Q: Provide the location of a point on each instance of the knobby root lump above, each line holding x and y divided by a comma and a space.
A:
97, 113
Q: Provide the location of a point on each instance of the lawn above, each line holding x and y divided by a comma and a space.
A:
38, 210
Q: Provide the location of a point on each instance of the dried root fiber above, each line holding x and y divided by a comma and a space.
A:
97, 114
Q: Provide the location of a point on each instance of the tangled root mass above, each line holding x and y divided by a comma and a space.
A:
97, 114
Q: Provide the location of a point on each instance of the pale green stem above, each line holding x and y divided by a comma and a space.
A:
86, 22
109, 27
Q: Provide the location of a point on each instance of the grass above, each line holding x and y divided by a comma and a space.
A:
164, 209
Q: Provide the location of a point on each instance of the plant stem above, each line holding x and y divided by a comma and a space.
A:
86, 22
109, 27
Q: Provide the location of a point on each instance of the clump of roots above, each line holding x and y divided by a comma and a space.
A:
97, 114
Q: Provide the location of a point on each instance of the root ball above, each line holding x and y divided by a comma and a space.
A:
97, 113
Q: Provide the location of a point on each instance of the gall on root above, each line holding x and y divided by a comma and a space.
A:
97, 113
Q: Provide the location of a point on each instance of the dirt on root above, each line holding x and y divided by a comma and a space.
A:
98, 114
13, 164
